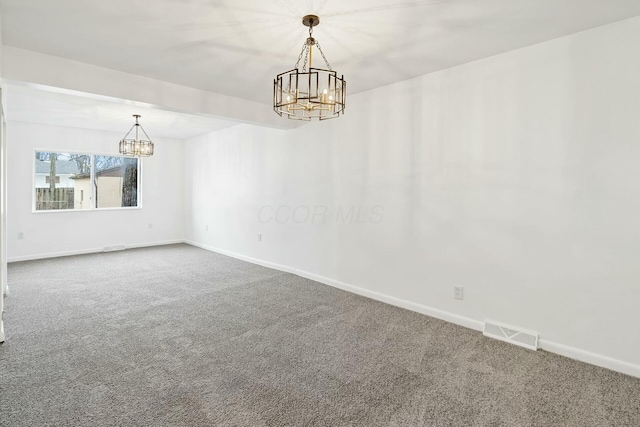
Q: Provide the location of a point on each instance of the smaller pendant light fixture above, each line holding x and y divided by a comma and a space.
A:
136, 147
317, 93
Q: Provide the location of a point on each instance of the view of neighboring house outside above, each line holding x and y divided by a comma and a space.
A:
82, 193
116, 182
60, 195
65, 169
83, 181
109, 188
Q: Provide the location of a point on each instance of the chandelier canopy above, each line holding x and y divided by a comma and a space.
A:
306, 93
136, 147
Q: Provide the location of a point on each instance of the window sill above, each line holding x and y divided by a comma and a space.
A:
85, 210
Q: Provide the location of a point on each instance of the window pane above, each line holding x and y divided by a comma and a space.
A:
58, 180
116, 181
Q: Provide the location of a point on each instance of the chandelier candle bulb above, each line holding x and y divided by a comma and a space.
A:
298, 94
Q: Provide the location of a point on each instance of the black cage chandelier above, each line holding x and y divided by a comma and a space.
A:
307, 93
136, 147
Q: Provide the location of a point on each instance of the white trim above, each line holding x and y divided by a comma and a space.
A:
243, 257
560, 349
123, 208
4, 289
419, 308
398, 302
89, 251
591, 358
152, 244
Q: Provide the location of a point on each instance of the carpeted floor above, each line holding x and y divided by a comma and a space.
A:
178, 336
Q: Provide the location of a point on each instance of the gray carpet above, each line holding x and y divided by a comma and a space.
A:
177, 336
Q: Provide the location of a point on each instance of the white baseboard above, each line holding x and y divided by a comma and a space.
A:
429, 311
560, 349
419, 308
87, 251
591, 358
243, 257
151, 244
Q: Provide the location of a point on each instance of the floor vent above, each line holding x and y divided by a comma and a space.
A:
113, 248
526, 339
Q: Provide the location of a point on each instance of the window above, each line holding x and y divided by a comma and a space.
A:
76, 181
116, 181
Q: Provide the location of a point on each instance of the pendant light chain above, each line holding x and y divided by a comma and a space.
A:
305, 51
323, 57
304, 47
306, 58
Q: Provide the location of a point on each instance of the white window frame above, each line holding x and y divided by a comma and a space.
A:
92, 195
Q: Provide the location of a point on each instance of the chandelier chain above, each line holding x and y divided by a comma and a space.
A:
323, 57
145, 133
306, 58
132, 126
304, 47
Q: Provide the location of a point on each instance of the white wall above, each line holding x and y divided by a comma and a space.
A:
515, 176
56, 233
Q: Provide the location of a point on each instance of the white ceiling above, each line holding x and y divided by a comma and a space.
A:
236, 47
34, 105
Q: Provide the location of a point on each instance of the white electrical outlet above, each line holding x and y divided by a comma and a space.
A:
259, 237
150, 226
20, 235
458, 292
206, 228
